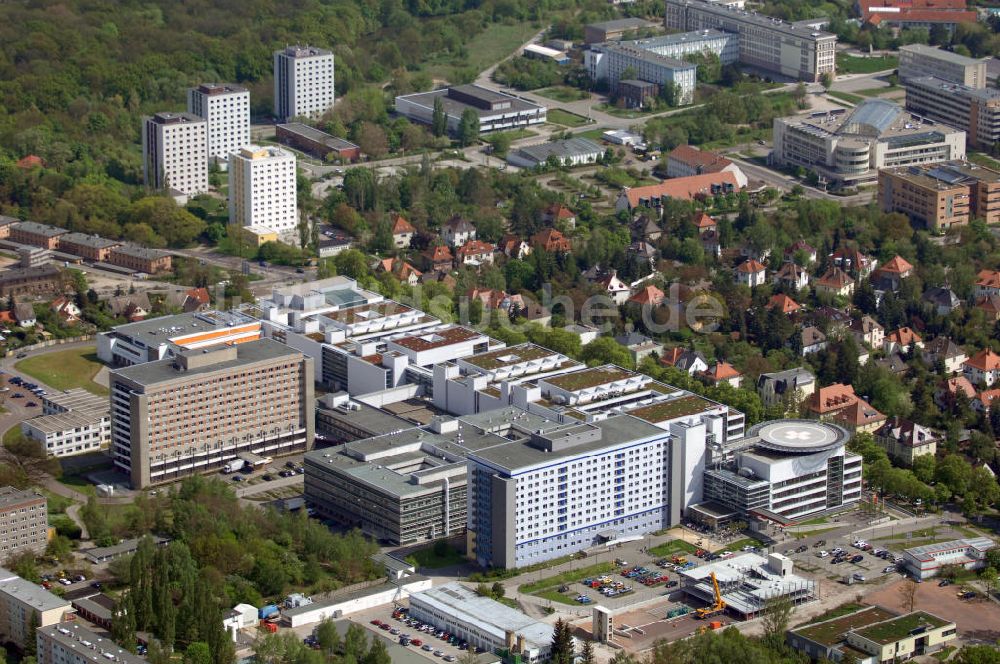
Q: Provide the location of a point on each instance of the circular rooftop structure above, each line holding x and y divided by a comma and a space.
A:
798, 436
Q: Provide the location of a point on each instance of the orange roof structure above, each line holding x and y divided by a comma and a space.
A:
959, 384
684, 189
834, 278
832, 398
984, 360
30, 161
560, 211
783, 303
705, 222
897, 265
671, 356
551, 240
400, 225
721, 371
200, 295
857, 414
751, 267
649, 295
491, 298
7, 317
990, 305
703, 161
904, 336
474, 248
986, 397
439, 254
988, 279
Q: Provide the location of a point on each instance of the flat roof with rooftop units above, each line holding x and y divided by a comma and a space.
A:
505, 357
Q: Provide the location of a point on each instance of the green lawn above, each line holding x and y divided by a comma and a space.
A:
815, 531
563, 93
942, 654
672, 547
65, 369
815, 522
565, 118
592, 134
739, 544
847, 64
434, 559
565, 578
846, 96
489, 47
875, 92
982, 160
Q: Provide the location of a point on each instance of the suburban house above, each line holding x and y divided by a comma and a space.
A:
557, 213
866, 330
790, 386
646, 229
891, 275
475, 253
437, 258
990, 306
859, 417
835, 281
853, 262
400, 269
722, 372
813, 340
639, 345
66, 309
947, 352
783, 303
949, 390
942, 301
514, 247
690, 361
751, 274
615, 288
24, 313
792, 276
987, 284
904, 440
899, 341
649, 295
402, 232
551, 241
983, 368
803, 247
457, 231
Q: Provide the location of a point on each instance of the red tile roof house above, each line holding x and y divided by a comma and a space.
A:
890, 276
985, 399
558, 213
475, 252
514, 247
784, 304
867, 330
708, 233
840, 404
853, 261
686, 160
650, 295
402, 232
947, 391
983, 368
899, 341
987, 284
551, 241
990, 306
438, 258
835, 282
792, 276
751, 274
684, 189
722, 372
400, 269
859, 417
801, 246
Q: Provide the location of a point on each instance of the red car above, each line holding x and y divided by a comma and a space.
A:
377, 622
416, 642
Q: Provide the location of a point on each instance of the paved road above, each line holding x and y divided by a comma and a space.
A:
779, 180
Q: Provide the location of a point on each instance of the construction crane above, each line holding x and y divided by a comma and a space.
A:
718, 607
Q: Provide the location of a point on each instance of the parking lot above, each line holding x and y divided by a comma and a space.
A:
838, 558
430, 644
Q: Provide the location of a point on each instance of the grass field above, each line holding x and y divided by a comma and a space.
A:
847, 64
565, 118
875, 92
548, 588
739, 544
65, 369
816, 531
982, 160
487, 48
563, 93
846, 96
671, 547
431, 558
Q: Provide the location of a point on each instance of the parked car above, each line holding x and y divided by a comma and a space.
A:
267, 477
858, 576
857, 559
823, 554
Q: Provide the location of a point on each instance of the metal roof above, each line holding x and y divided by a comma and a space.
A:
877, 114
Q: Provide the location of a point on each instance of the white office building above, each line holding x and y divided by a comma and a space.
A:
73, 422
611, 61
793, 50
549, 489
785, 471
926, 561
482, 622
226, 109
175, 152
72, 643
919, 60
725, 45
262, 189
303, 82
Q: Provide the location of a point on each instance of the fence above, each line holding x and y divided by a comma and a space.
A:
50, 343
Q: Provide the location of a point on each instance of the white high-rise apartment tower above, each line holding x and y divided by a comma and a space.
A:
262, 188
227, 109
303, 82
175, 152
